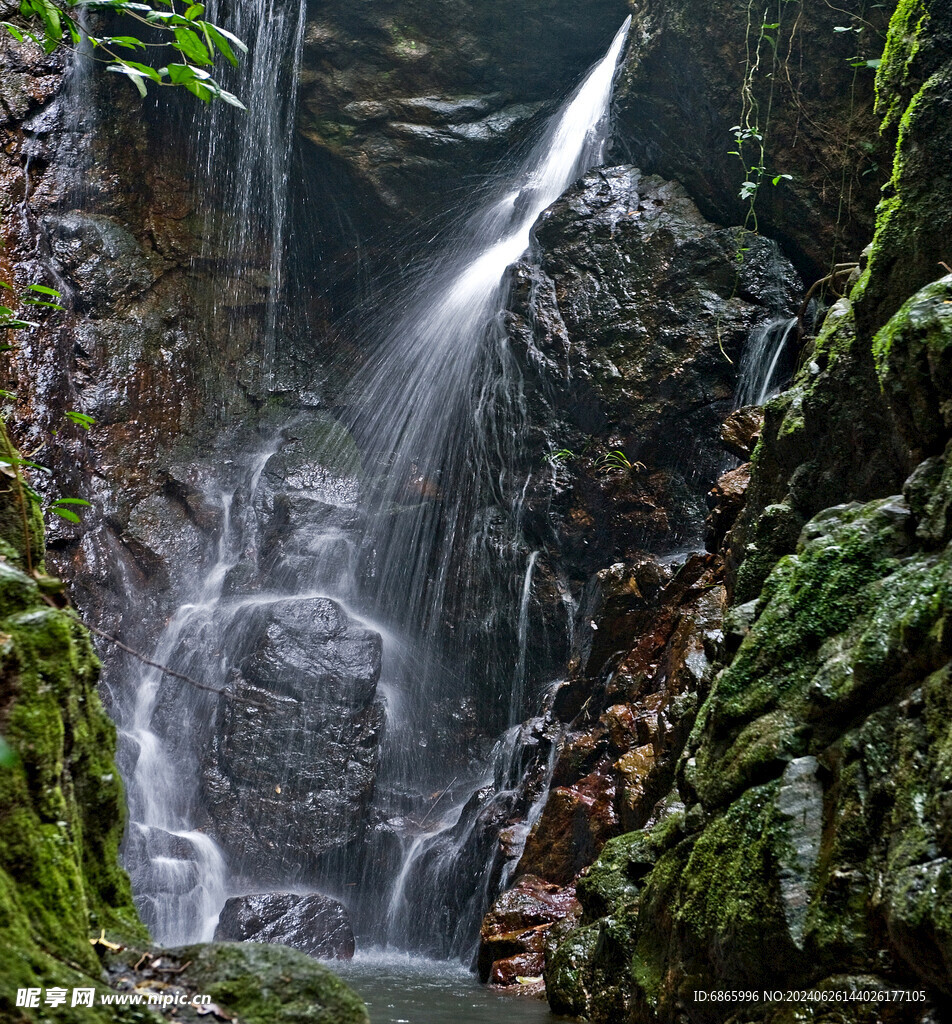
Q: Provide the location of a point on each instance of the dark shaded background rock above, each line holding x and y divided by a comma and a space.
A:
408, 97
313, 923
681, 95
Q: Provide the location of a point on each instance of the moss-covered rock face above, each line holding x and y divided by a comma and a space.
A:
914, 220
262, 984
913, 355
814, 847
61, 805
816, 838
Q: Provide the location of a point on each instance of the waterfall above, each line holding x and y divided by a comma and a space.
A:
440, 415
402, 539
763, 367
179, 873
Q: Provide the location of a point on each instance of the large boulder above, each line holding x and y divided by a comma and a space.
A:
313, 923
291, 770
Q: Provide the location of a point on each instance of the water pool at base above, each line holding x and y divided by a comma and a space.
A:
401, 989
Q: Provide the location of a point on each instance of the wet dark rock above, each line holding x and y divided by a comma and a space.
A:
726, 501
401, 98
575, 823
622, 329
313, 923
310, 649
299, 742
255, 982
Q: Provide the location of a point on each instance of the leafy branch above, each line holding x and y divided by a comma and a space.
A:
182, 34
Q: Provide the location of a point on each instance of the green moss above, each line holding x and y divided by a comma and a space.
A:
729, 896
61, 806
264, 984
610, 885
895, 69
913, 353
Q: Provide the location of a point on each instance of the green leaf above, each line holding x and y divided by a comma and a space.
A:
193, 11
65, 513
182, 74
230, 36
135, 76
80, 419
13, 30
188, 42
73, 501
43, 290
214, 38
230, 98
126, 42
144, 69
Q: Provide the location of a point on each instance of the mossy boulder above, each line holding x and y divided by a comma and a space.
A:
830, 438
61, 803
265, 984
815, 841
913, 355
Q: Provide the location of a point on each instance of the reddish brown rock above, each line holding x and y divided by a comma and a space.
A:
574, 826
726, 501
513, 968
513, 930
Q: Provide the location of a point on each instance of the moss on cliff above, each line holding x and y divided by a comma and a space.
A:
815, 846
61, 804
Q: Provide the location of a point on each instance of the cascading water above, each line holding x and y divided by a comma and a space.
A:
420, 553
764, 366
178, 872
440, 406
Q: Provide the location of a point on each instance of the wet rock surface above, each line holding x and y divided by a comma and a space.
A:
403, 99
805, 837
622, 330
514, 931
308, 687
313, 923
681, 97
251, 983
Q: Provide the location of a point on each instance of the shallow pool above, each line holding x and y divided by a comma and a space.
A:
401, 989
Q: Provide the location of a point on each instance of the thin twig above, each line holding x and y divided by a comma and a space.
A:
435, 802
169, 671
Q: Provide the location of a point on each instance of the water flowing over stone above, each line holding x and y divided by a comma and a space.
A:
353, 570
768, 361
178, 870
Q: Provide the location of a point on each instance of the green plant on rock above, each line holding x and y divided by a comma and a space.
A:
617, 459
749, 134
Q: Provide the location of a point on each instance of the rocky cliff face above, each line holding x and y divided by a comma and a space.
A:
803, 841
764, 792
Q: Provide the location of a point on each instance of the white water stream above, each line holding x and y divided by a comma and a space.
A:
438, 407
